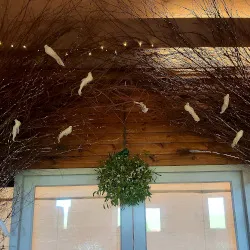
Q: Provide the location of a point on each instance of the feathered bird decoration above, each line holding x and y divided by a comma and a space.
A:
191, 111
85, 82
144, 108
225, 104
15, 130
52, 53
65, 132
4, 229
237, 138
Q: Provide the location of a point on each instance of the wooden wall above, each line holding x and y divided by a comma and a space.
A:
149, 135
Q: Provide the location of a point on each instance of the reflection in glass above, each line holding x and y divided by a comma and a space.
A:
153, 218
65, 204
185, 216
216, 210
70, 218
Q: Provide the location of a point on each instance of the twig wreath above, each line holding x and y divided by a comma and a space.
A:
124, 180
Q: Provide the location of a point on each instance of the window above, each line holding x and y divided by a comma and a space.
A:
69, 217
191, 216
189, 209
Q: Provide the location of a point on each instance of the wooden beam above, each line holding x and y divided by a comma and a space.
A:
178, 148
156, 160
199, 32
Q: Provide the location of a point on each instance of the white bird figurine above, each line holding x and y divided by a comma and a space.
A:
4, 229
52, 53
191, 111
15, 130
85, 82
225, 104
65, 132
237, 138
144, 108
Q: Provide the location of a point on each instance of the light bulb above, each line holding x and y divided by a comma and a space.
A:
102, 47
0, 43
90, 54
152, 45
11, 45
140, 43
66, 54
24, 46
115, 52
125, 44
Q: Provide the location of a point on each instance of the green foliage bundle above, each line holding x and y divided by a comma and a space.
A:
124, 180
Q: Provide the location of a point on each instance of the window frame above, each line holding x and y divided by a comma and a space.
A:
25, 183
240, 189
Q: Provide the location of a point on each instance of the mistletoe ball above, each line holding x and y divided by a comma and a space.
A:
124, 180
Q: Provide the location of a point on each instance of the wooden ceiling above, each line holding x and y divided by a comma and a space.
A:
148, 23
145, 9
100, 130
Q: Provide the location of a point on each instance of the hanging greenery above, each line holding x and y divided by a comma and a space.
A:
124, 180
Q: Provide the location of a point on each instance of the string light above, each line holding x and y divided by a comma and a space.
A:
125, 44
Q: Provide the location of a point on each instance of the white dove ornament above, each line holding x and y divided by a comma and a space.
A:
237, 138
85, 82
53, 54
65, 132
191, 111
225, 104
15, 130
144, 108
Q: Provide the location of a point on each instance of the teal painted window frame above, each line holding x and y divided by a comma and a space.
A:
133, 231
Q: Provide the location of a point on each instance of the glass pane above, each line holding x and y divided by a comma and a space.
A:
6, 199
197, 216
70, 218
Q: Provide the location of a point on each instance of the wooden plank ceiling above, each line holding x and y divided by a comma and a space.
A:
98, 131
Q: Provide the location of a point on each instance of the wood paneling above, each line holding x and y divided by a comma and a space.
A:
164, 138
155, 141
156, 160
144, 149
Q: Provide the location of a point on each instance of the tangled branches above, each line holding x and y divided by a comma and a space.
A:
118, 42
129, 46
201, 76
